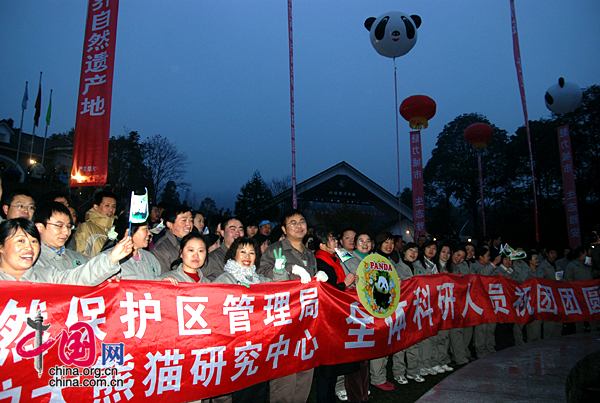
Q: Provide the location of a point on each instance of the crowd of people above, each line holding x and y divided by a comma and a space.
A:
41, 241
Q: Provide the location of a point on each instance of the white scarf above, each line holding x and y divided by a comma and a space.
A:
242, 274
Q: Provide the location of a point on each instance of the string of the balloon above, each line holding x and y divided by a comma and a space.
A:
397, 145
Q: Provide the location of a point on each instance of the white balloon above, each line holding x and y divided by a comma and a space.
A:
563, 97
393, 34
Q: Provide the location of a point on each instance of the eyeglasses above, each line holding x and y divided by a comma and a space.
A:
22, 206
60, 227
294, 224
361, 241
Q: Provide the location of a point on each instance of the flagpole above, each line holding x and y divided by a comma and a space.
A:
293, 123
38, 105
47, 124
23, 107
31, 148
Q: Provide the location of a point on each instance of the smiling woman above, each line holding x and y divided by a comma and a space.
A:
140, 264
20, 247
240, 268
240, 264
193, 256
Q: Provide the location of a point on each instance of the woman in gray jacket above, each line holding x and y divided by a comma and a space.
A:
240, 268
20, 248
363, 247
193, 255
140, 264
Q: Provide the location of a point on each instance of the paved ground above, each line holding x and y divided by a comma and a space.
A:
533, 372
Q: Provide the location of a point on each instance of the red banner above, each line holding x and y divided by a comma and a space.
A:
416, 168
519, 67
179, 343
568, 177
92, 125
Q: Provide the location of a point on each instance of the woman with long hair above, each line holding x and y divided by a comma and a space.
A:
263, 241
198, 221
442, 258
457, 262
384, 245
425, 264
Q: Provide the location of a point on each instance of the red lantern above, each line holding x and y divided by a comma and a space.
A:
479, 134
418, 109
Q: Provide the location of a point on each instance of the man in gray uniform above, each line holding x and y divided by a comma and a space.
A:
179, 223
53, 221
231, 229
286, 254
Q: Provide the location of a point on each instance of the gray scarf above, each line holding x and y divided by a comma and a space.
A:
246, 275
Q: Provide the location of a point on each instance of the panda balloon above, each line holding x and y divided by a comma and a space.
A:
563, 97
393, 34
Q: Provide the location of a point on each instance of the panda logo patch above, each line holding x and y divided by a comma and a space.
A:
379, 286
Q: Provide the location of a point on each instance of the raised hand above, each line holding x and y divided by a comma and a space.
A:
122, 249
280, 260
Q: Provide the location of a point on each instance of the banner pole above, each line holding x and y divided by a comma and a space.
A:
519, 66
